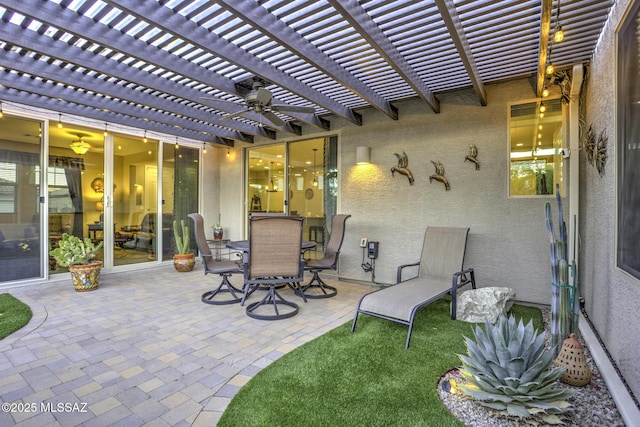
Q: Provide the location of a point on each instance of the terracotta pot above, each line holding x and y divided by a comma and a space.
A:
184, 262
85, 277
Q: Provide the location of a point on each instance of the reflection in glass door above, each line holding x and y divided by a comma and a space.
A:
20, 223
266, 179
310, 180
76, 186
180, 177
306, 185
135, 176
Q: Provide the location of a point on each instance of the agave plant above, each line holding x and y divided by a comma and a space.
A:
508, 369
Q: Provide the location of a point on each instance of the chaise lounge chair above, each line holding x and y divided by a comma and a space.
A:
439, 273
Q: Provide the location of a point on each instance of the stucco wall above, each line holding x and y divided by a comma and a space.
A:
507, 243
611, 297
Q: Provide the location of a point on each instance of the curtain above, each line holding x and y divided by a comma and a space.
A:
74, 181
73, 168
185, 187
330, 177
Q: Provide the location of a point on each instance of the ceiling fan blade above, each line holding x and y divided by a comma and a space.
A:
293, 108
263, 96
273, 118
236, 114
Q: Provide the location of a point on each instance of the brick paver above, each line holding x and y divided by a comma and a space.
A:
144, 350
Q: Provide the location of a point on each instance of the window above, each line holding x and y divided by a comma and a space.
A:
535, 140
628, 143
8, 184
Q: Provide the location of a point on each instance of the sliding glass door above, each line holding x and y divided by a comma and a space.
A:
135, 200
20, 222
122, 190
296, 178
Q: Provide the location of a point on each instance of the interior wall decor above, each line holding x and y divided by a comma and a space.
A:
98, 184
402, 167
473, 156
628, 147
439, 175
595, 149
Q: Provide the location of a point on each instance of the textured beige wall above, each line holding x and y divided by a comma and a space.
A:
612, 298
507, 243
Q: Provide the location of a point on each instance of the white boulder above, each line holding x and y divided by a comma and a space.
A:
478, 305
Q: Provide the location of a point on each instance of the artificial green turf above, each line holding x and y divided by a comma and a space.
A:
362, 379
14, 314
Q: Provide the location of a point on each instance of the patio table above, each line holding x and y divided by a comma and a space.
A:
243, 245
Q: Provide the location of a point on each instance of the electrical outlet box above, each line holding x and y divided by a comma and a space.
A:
363, 242
372, 250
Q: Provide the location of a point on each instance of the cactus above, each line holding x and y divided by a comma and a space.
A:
72, 250
182, 241
564, 297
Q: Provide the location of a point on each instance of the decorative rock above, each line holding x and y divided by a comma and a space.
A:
478, 305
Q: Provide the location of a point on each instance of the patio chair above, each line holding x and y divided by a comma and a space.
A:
439, 273
224, 268
273, 260
328, 262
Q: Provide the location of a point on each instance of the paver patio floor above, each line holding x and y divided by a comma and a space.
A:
144, 350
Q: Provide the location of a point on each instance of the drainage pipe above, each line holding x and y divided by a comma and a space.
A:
573, 219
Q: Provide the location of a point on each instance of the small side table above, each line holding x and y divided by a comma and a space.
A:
219, 248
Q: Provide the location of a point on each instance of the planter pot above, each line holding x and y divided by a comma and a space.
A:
85, 277
184, 262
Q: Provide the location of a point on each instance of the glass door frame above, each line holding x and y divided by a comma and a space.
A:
320, 170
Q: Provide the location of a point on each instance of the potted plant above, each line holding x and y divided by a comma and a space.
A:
183, 260
78, 254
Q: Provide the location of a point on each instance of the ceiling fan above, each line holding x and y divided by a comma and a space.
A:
258, 100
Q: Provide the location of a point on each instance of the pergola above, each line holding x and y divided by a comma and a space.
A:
186, 68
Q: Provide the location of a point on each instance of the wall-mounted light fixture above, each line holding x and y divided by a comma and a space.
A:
363, 155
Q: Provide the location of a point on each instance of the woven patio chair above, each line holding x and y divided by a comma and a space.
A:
224, 268
317, 288
273, 260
